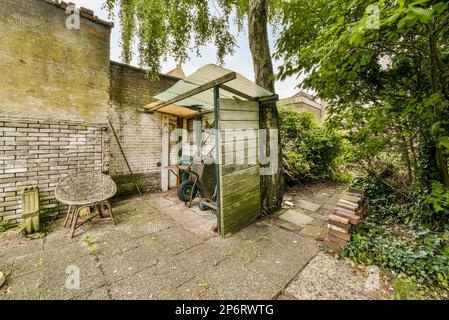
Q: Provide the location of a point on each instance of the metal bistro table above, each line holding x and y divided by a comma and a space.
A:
85, 189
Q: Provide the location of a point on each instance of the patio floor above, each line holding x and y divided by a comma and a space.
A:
158, 250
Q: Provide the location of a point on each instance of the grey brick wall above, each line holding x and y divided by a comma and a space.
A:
140, 133
40, 153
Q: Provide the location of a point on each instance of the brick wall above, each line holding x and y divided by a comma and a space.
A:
40, 152
140, 133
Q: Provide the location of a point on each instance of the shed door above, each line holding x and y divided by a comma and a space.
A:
239, 168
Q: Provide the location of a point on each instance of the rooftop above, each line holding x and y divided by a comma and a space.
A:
84, 12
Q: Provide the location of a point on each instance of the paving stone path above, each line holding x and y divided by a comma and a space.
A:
309, 208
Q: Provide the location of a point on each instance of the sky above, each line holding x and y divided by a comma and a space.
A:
240, 62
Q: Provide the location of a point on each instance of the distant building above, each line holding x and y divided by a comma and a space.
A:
303, 101
177, 72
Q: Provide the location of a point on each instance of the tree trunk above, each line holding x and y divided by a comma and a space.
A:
272, 186
441, 160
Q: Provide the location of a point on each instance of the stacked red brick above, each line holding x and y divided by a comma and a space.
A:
347, 215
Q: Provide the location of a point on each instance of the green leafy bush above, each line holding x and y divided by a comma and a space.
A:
406, 289
310, 150
5, 225
393, 236
439, 198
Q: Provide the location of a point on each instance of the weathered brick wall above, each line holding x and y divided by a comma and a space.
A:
61, 77
139, 133
49, 71
39, 153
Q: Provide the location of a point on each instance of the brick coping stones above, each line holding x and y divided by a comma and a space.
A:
346, 216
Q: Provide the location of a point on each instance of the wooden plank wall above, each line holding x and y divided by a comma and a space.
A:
240, 179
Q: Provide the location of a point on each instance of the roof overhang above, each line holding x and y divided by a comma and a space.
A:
194, 94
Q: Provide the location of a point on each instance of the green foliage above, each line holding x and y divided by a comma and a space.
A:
173, 28
89, 240
310, 151
394, 237
439, 198
385, 76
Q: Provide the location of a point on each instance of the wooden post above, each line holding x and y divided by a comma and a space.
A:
165, 153
30, 210
217, 152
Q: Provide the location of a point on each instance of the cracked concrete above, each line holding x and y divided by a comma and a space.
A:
158, 250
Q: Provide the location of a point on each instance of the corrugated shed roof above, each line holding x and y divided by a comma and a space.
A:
205, 99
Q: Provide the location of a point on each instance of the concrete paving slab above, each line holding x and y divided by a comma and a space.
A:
286, 296
318, 222
114, 243
328, 278
177, 239
296, 217
255, 231
163, 279
307, 205
190, 290
96, 294
300, 245
140, 286
26, 264
21, 288
203, 230
315, 232
245, 284
132, 261
241, 250
155, 254
289, 226
146, 226
280, 263
55, 276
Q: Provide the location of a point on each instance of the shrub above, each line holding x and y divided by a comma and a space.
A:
394, 236
310, 150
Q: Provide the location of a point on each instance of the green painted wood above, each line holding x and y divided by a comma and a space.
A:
247, 203
236, 196
231, 168
240, 145
240, 175
239, 124
237, 134
239, 105
229, 115
243, 222
237, 186
240, 183
239, 157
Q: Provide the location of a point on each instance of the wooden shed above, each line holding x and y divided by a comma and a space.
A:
228, 103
